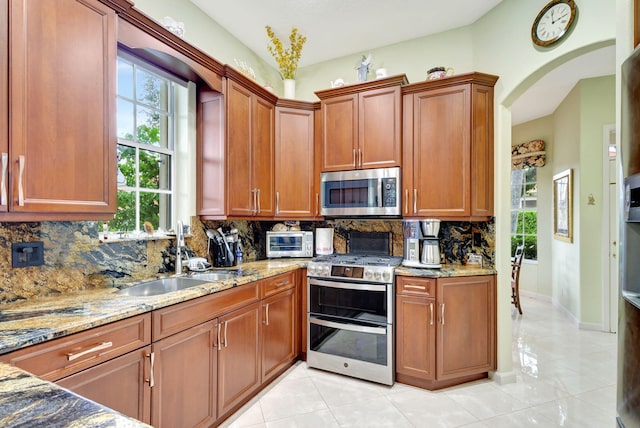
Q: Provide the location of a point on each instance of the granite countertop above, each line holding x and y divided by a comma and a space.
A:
26, 400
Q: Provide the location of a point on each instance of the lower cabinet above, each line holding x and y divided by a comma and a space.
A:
184, 378
239, 357
445, 330
279, 347
121, 384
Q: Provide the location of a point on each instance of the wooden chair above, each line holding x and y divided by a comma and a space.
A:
516, 264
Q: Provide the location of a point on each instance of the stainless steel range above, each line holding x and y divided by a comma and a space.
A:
350, 313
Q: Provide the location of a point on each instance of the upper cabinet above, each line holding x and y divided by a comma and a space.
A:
362, 125
448, 148
58, 145
250, 148
295, 174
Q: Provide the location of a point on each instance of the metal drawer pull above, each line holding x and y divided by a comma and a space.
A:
280, 284
431, 313
20, 186
99, 347
266, 314
151, 381
417, 287
442, 313
5, 161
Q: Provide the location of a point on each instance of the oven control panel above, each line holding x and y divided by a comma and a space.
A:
358, 273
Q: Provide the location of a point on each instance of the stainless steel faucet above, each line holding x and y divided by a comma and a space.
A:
180, 246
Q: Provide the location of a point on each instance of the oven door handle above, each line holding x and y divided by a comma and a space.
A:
348, 286
350, 327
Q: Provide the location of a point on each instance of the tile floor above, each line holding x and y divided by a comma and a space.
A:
566, 377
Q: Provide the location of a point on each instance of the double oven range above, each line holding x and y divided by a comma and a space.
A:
350, 315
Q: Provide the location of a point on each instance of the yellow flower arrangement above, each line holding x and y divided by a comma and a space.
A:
287, 59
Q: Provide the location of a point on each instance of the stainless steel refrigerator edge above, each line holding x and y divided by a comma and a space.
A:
628, 382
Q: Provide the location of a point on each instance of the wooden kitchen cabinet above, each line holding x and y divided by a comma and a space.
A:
61, 144
295, 175
279, 332
362, 125
250, 149
415, 328
239, 357
445, 329
122, 384
185, 378
448, 148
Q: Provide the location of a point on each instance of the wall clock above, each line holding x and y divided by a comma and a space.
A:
553, 22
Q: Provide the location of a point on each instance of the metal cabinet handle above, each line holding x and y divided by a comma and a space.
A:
280, 284
415, 201
406, 201
266, 315
152, 358
277, 203
431, 313
20, 185
417, 287
3, 186
98, 347
360, 158
355, 159
219, 343
258, 197
442, 313
225, 333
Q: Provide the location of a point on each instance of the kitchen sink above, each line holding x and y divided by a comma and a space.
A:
161, 286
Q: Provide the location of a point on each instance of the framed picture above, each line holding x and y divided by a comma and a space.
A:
563, 206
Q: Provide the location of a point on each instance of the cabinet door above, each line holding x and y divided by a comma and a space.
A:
239, 357
120, 384
184, 390
294, 163
466, 330
441, 169
263, 156
62, 129
482, 151
240, 195
379, 128
210, 155
415, 337
278, 332
339, 133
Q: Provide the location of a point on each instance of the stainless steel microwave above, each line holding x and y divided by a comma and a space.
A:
364, 192
289, 243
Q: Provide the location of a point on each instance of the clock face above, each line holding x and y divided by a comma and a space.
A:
553, 22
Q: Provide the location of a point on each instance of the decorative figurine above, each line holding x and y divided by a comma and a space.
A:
363, 67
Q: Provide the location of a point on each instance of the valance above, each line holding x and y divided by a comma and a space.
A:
529, 154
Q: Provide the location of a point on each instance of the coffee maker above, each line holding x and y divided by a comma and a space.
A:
421, 243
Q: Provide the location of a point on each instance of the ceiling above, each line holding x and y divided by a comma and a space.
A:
336, 28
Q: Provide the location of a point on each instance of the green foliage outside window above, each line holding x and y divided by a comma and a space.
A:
528, 223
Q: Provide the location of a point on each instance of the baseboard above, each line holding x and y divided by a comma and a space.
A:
503, 378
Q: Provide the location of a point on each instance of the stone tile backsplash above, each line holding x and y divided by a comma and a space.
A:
76, 259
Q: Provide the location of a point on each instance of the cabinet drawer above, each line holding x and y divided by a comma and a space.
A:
62, 357
412, 286
278, 283
175, 318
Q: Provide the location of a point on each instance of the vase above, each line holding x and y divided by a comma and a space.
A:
289, 88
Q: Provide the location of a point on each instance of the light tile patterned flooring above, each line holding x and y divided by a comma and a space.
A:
566, 377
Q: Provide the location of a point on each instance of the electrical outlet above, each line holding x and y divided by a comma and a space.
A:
25, 254
477, 239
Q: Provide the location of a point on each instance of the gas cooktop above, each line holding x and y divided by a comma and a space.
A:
355, 267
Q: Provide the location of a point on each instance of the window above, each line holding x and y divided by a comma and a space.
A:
148, 109
524, 212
